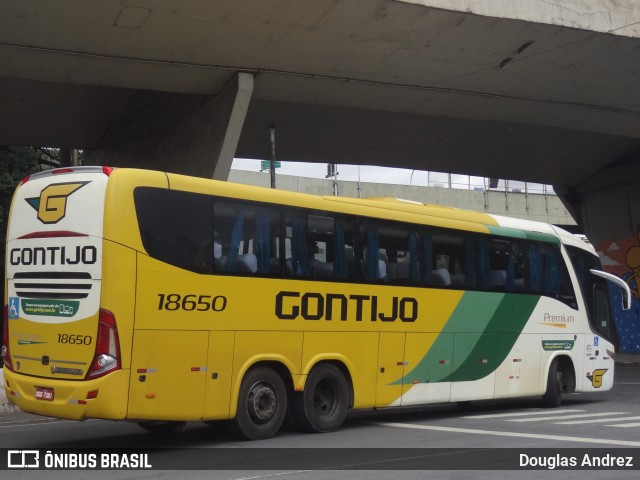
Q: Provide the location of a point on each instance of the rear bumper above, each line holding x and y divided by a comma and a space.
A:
70, 397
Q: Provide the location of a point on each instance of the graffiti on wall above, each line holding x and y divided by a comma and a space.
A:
622, 258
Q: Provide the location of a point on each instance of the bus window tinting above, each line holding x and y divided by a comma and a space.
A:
449, 259
502, 264
246, 239
389, 252
583, 262
171, 235
547, 273
319, 246
207, 234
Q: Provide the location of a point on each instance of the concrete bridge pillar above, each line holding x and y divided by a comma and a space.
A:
181, 133
607, 207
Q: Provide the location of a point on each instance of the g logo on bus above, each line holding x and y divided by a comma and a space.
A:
596, 377
52, 203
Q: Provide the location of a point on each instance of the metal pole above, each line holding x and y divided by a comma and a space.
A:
65, 157
485, 191
546, 199
506, 195
75, 158
272, 166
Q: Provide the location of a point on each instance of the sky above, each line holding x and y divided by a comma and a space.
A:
373, 174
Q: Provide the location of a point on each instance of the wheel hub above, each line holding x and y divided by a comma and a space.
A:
262, 402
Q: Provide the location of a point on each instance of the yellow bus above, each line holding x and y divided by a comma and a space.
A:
159, 298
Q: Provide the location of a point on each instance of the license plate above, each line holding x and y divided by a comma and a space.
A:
44, 393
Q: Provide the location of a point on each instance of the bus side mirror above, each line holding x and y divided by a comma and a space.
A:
626, 292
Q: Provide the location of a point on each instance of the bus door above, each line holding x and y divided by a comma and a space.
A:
598, 362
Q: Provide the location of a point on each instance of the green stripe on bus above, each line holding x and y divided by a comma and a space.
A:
472, 314
525, 235
490, 348
481, 331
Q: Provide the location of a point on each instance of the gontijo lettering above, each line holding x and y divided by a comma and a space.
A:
316, 306
87, 255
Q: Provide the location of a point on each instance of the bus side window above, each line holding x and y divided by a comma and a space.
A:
297, 246
319, 245
336, 256
449, 259
502, 265
389, 252
400, 244
548, 274
246, 239
373, 259
178, 233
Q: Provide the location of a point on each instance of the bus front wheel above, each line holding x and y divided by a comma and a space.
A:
323, 405
262, 405
552, 398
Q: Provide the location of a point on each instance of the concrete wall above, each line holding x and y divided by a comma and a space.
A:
538, 207
609, 207
620, 17
182, 133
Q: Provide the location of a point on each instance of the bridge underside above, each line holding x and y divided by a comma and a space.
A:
362, 82
186, 86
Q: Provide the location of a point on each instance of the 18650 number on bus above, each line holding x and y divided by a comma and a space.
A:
192, 302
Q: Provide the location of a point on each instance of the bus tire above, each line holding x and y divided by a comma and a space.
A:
262, 405
323, 405
552, 398
163, 428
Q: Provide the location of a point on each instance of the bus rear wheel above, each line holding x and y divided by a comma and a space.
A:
262, 405
323, 405
552, 398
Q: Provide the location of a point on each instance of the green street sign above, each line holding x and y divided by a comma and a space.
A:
266, 164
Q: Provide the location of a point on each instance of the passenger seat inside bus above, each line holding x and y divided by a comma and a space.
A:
498, 279
247, 263
440, 278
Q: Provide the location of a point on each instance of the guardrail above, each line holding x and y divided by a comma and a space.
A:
468, 182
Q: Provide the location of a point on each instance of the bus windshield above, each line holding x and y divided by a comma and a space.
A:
594, 290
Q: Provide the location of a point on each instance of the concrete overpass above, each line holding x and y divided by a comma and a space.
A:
531, 91
535, 205
536, 90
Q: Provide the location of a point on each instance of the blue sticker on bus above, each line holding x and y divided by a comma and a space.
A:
14, 308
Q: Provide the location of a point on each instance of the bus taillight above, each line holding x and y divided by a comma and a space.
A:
107, 355
5, 340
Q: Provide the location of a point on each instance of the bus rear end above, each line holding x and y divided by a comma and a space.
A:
61, 349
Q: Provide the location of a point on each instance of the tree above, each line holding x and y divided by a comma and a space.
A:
15, 164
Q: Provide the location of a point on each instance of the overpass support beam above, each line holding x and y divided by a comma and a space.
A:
181, 133
607, 207
233, 103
